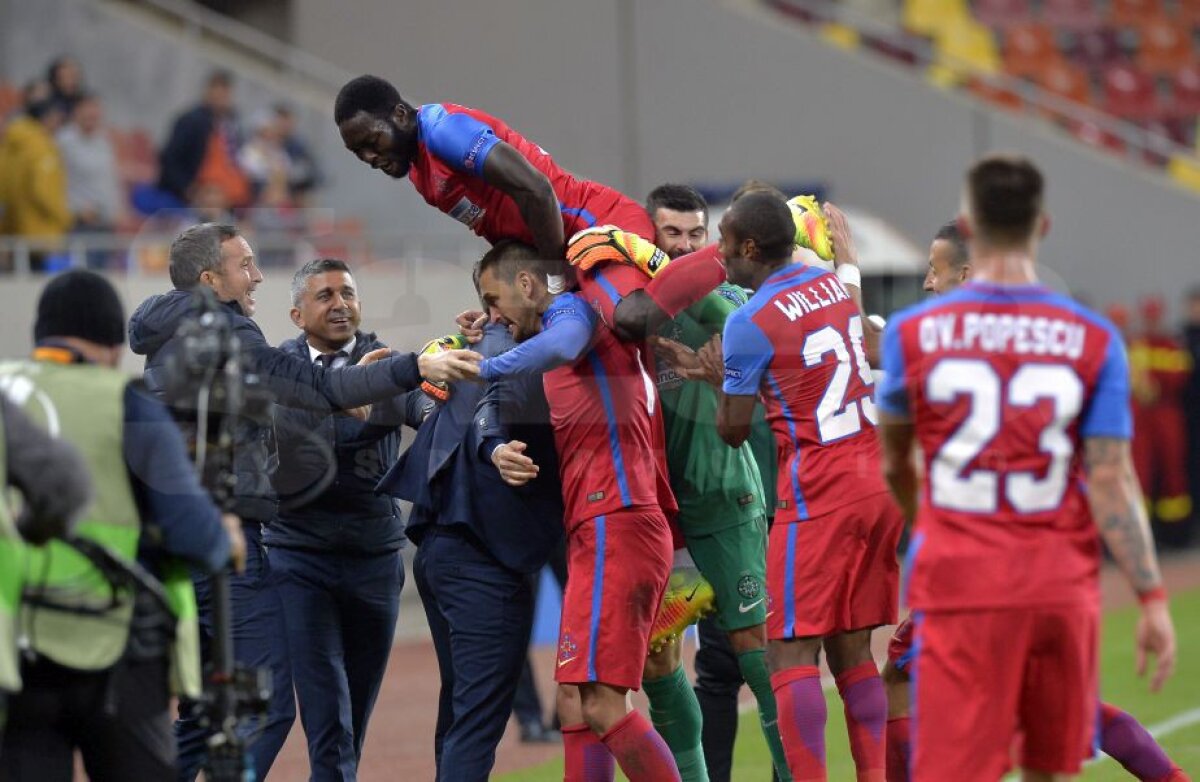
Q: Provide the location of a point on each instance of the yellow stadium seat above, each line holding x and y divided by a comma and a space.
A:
929, 17
840, 35
1185, 171
963, 49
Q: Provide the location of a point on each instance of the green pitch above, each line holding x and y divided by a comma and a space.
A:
1177, 708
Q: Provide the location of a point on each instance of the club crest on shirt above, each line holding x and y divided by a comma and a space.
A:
466, 212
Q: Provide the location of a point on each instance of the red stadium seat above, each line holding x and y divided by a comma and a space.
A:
1130, 93
1170, 129
997, 96
1165, 47
1185, 91
1097, 49
1029, 48
1133, 13
1003, 13
1066, 81
1092, 135
1188, 12
1070, 14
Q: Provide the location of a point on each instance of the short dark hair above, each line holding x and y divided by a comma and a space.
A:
508, 257
766, 219
370, 94
1005, 197
950, 233
757, 186
197, 250
312, 269
677, 198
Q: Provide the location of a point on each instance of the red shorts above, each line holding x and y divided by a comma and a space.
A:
617, 567
900, 646
835, 573
981, 676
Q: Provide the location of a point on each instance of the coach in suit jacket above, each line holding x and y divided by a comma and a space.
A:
479, 540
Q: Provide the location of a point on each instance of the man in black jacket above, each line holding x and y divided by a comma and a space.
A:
213, 120
479, 541
335, 544
219, 258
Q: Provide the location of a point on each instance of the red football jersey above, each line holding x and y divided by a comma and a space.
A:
798, 342
453, 142
607, 424
1002, 384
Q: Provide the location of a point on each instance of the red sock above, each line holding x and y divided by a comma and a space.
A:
866, 719
898, 750
585, 758
802, 714
640, 751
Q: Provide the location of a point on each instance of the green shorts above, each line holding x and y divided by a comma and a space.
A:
734, 560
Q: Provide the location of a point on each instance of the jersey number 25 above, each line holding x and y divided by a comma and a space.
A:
837, 418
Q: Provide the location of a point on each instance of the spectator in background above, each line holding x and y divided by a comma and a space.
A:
33, 186
65, 78
274, 218
1160, 423
1191, 341
303, 173
202, 148
93, 187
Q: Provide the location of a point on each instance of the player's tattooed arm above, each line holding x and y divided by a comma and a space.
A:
1116, 501
896, 434
506, 169
1120, 513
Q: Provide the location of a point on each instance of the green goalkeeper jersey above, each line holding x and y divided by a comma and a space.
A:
716, 486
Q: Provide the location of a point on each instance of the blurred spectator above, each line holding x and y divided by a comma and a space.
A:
65, 78
304, 175
93, 186
264, 160
202, 147
1191, 335
33, 186
1160, 449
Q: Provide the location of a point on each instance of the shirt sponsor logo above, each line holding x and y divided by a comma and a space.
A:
467, 212
473, 152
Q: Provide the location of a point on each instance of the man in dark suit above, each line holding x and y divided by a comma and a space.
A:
334, 547
479, 540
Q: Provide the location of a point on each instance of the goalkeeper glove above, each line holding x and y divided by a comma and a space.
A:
812, 227
607, 243
441, 391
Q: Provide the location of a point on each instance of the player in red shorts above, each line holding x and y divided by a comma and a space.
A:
616, 491
1019, 399
477, 169
832, 574
1121, 736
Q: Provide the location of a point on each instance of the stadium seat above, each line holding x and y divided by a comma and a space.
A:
1098, 48
1164, 46
1130, 93
1070, 14
1185, 91
1029, 48
1175, 131
1066, 81
1187, 12
1185, 171
994, 94
963, 49
1133, 13
1093, 135
930, 17
1003, 13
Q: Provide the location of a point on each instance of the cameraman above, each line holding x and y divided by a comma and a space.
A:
55, 486
219, 258
97, 676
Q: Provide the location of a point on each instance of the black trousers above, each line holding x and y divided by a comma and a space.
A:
118, 719
479, 615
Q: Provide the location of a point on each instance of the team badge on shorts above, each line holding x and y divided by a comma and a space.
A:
749, 587
567, 650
